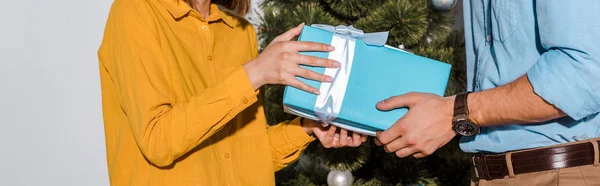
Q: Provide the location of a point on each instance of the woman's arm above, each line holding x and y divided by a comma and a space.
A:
164, 128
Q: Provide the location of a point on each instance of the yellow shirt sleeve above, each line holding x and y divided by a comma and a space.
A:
288, 141
165, 129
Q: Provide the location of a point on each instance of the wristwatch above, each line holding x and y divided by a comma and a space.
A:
461, 124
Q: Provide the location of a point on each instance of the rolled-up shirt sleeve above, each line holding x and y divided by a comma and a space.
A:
567, 74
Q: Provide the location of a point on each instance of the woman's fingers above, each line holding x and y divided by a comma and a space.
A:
316, 61
328, 138
344, 137
295, 70
300, 85
336, 137
309, 74
290, 34
298, 46
307, 46
356, 138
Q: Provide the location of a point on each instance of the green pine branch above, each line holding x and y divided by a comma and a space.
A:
406, 21
352, 9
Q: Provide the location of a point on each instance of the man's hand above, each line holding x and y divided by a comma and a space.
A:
426, 127
330, 137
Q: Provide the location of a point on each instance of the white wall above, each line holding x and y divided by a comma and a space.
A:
51, 130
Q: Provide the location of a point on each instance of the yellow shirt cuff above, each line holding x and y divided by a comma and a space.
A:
296, 134
239, 88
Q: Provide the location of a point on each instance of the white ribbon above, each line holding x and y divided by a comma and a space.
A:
329, 102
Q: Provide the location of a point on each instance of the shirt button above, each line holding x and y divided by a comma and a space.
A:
245, 100
226, 155
204, 27
209, 57
489, 38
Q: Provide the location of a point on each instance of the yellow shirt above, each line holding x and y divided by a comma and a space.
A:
178, 107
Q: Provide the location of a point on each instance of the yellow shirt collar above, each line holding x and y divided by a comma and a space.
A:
179, 9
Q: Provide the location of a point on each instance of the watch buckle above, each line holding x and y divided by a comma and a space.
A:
460, 117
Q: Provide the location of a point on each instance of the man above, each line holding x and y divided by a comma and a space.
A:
532, 119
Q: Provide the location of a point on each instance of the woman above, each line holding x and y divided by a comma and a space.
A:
179, 87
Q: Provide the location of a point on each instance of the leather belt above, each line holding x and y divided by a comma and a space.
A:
495, 166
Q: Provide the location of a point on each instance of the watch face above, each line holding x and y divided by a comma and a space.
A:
466, 128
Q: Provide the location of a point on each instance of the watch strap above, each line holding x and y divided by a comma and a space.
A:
460, 104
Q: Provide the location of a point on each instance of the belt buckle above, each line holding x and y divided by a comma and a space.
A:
475, 165
483, 166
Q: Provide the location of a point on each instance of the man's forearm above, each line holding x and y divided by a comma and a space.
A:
513, 103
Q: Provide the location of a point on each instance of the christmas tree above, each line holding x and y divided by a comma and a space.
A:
423, 27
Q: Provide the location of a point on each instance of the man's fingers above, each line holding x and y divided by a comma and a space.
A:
405, 152
377, 142
395, 131
396, 145
405, 100
419, 155
290, 34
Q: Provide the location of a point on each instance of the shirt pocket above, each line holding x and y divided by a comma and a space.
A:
504, 19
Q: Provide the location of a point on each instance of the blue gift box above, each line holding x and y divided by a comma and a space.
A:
377, 73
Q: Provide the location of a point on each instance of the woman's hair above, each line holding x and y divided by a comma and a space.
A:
240, 7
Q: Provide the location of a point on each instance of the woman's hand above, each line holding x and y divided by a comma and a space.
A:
329, 136
280, 62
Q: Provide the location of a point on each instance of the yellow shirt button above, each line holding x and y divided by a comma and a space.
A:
204, 27
209, 57
245, 100
226, 155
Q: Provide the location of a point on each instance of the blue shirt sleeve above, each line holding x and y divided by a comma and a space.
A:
567, 74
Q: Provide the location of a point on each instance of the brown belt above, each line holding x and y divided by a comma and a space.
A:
495, 166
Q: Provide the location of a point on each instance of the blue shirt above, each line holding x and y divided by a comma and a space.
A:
557, 44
